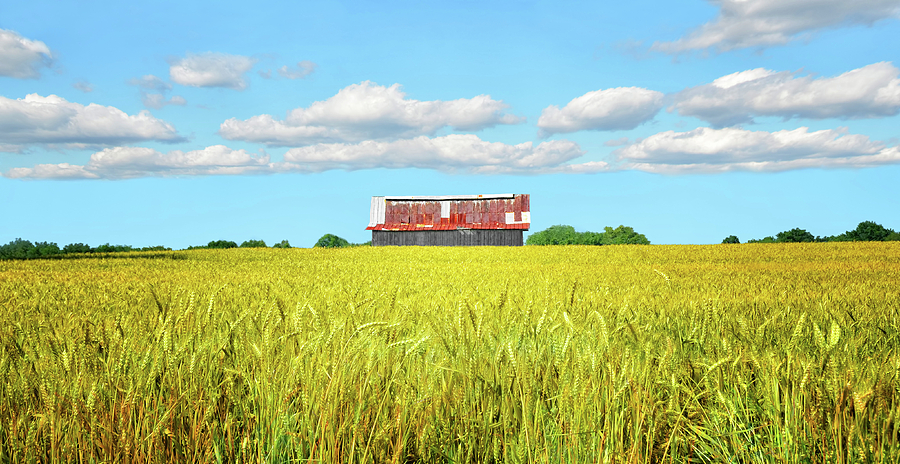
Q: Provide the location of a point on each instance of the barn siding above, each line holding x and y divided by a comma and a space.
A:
459, 237
452, 212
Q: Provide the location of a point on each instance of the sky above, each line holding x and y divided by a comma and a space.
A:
178, 123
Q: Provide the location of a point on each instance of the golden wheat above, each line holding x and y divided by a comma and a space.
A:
638, 354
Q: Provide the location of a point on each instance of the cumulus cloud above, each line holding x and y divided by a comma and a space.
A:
51, 171
211, 70
455, 153
872, 91
304, 68
129, 162
22, 58
764, 23
621, 108
368, 111
706, 150
54, 120
451, 153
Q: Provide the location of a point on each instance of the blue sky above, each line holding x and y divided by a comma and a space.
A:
179, 123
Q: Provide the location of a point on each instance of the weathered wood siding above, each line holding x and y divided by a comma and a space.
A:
460, 237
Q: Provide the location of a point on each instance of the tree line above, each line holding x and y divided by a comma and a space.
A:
866, 231
566, 235
223, 244
24, 249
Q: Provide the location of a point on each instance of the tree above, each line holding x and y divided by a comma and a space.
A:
23, 249
107, 248
894, 237
769, 239
731, 239
554, 235
16, 249
331, 241
590, 238
253, 244
221, 244
76, 248
623, 235
868, 231
44, 249
566, 235
282, 244
794, 236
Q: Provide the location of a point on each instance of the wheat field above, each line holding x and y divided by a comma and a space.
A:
783, 353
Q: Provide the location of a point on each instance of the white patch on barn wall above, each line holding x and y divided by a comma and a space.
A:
445, 209
510, 218
376, 213
526, 216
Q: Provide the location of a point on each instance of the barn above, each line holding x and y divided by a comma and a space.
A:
450, 220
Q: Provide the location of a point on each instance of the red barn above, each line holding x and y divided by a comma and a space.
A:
450, 220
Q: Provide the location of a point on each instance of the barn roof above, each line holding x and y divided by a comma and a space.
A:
450, 212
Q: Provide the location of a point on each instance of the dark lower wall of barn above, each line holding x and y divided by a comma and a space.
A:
460, 237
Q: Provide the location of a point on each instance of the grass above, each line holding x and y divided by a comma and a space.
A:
740, 353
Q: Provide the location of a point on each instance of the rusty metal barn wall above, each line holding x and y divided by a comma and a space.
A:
435, 214
461, 237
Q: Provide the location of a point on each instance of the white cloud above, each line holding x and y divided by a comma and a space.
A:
763, 23
158, 100
51, 171
868, 92
129, 162
616, 142
740, 77
83, 86
151, 82
368, 111
705, 150
452, 153
621, 108
22, 58
52, 120
11, 148
211, 70
304, 68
